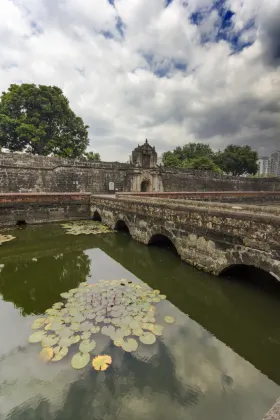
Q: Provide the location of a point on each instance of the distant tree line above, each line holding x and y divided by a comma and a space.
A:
234, 160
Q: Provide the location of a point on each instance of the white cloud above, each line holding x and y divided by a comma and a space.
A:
116, 83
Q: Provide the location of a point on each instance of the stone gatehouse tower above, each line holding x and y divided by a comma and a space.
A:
144, 156
146, 174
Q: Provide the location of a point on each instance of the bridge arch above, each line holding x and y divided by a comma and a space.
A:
260, 277
96, 216
162, 236
121, 223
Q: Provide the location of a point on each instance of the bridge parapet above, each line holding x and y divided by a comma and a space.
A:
210, 236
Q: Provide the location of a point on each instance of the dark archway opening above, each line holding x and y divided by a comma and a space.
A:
96, 217
162, 241
252, 276
21, 223
121, 226
145, 186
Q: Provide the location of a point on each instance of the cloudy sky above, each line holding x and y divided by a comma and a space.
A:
173, 71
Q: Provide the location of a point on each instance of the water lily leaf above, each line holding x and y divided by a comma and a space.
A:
49, 340
87, 346
58, 305
108, 330
118, 342
62, 353
80, 360
75, 326
95, 329
56, 326
51, 311
147, 338
85, 326
65, 332
99, 318
56, 349
65, 295
169, 319
157, 329
137, 331
46, 354
78, 318
86, 335
66, 342
38, 323
37, 336
102, 362
130, 345
75, 339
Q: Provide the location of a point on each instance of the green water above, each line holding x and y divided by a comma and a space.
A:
219, 361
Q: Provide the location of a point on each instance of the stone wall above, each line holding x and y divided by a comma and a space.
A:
253, 197
194, 180
27, 173
211, 237
43, 208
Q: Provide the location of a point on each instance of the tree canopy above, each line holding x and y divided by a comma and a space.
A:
238, 160
235, 160
39, 120
95, 157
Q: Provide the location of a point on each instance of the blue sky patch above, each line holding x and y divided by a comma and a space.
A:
224, 29
168, 2
120, 26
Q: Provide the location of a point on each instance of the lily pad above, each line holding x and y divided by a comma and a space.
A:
46, 354
56, 349
80, 360
62, 353
147, 338
38, 323
169, 319
37, 336
86, 335
102, 362
95, 329
65, 295
87, 346
75, 326
66, 342
49, 340
75, 339
129, 345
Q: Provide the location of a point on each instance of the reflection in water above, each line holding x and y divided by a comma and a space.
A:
24, 284
187, 374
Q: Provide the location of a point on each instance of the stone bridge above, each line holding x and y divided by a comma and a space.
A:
210, 236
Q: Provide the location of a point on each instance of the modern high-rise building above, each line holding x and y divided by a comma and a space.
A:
264, 166
275, 163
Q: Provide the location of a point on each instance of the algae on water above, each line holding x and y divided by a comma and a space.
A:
85, 227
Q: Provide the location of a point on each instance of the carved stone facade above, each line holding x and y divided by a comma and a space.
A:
144, 156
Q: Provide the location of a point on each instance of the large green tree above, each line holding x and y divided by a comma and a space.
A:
203, 163
182, 156
95, 157
237, 160
38, 120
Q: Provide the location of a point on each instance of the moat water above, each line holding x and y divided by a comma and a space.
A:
218, 361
